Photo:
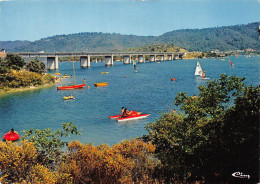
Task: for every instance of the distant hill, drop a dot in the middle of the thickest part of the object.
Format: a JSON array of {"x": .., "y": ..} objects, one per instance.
[
  {"x": 11, "y": 45},
  {"x": 82, "y": 42},
  {"x": 236, "y": 37}
]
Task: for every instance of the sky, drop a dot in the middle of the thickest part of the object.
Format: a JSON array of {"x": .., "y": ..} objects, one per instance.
[{"x": 35, "y": 19}]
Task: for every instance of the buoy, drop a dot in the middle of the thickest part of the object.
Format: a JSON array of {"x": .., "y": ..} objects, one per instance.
[
  {"x": 173, "y": 79},
  {"x": 88, "y": 86}
]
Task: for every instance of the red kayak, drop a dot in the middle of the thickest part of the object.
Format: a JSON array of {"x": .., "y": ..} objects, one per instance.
[
  {"x": 71, "y": 87},
  {"x": 121, "y": 118},
  {"x": 9, "y": 136}
]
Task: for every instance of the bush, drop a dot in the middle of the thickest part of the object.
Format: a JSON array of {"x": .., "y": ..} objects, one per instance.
[
  {"x": 14, "y": 61},
  {"x": 19, "y": 164},
  {"x": 123, "y": 163},
  {"x": 35, "y": 66},
  {"x": 48, "y": 78}
]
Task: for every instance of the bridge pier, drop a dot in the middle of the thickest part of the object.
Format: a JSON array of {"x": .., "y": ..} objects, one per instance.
[
  {"x": 52, "y": 63},
  {"x": 169, "y": 57},
  {"x": 127, "y": 59},
  {"x": 152, "y": 58},
  {"x": 161, "y": 57},
  {"x": 85, "y": 61},
  {"x": 109, "y": 60},
  {"x": 177, "y": 56},
  {"x": 141, "y": 59}
]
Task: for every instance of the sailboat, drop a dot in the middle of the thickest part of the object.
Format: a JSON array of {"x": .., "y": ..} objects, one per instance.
[
  {"x": 199, "y": 71},
  {"x": 231, "y": 64},
  {"x": 75, "y": 86}
]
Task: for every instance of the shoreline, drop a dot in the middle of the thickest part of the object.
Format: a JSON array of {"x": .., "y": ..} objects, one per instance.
[{"x": 23, "y": 89}]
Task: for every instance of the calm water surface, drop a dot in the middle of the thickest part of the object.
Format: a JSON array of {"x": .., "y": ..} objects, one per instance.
[{"x": 149, "y": 90}]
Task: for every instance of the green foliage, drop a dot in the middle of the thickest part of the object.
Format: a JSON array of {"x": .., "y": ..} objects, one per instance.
[
  {"x": 222, "y": 38},
  {"x": 48, "y": 78},
  {"x": 35, "y": 65},
  {"x": 14, "y": 61},
  {"x": 216, "y": 136},
  {"x": 12, "y": 76},
  {"x": 4, "y": 67},
  {"x": 157, "y": 48},
  {"x": 49, "y": 144},
  {"x": 20, "y": 79}
]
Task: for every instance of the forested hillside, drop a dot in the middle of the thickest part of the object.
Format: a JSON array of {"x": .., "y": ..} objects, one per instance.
[
  {"x": 236, "y": 37},
  {"x": 11, "y": 45},
  {"x": 84, "y": 42}
]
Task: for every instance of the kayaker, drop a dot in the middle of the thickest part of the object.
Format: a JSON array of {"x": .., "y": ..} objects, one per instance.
[
  {"x": 13, "y": 132},
  {"x": 125, "y": 112},
  {"x": 122, "y": 110}
]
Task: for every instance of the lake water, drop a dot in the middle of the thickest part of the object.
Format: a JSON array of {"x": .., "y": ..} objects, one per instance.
[{"x": 149, "y": 90}]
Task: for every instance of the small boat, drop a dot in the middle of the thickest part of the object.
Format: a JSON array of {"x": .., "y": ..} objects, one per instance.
[
  {"x": 68, "y": 97},
  {"x": 58, "y": 73},
  {"x": 75, "y": 86},
  {"x": 173, "y": 79},
  {"x": 231, "y": 64},
  {"x": 11, "y": 136},
  {"x": 121, "y": 118},
  {"x": 71, "y": 87},
  {"x": 101, "y": 84},
  {"x": 65, "y": 76},
  {"x": 104, "y": 73},
  {"x": 199, "y": 71}
]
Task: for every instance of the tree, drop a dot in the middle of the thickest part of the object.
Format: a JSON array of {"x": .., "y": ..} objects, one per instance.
[
  {"x": 3, "y": 66},
  {"x": 49, "y": 144},
  {"x": 35, "y": 66},
  {"x": 14, "y": 61},
  {"x": 215, "y": 136}
]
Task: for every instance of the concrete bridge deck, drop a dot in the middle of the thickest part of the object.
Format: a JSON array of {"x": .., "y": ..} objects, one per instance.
[{"x": 52, "y": 58}]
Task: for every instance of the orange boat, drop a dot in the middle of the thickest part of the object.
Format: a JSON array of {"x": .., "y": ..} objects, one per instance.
[{"x": 101, "y": 84}]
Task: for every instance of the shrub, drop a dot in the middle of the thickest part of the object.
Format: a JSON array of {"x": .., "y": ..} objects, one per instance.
[
  {"x": 48, "y": 78},
  {"x": 35, "y": 66}
]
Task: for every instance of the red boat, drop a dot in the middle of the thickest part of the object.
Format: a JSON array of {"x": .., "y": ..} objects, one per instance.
[
  {"x": 11, "y": 136},
  {"x": 121, "y": 118},
  {"x": 71, "y": 87}
]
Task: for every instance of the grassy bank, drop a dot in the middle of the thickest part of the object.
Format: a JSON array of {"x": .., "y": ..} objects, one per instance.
[{"x": 7, "y": 91}]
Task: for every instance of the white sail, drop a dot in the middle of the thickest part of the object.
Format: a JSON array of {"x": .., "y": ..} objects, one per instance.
[{"x": 198, "y": 70}]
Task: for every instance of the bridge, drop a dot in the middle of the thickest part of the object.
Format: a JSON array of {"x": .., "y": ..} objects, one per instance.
[{"x": 52, "y": 58}]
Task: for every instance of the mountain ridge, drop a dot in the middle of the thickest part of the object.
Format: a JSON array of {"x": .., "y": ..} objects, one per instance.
[{"x": 236, "y": 37}]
